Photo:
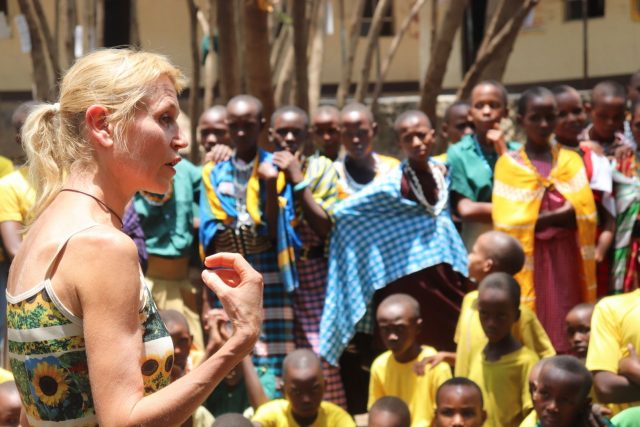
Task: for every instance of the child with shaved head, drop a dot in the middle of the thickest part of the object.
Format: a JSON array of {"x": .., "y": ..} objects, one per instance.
[
  {"x": 562, "y": 398},
  {"x": 360, "y": 165},
  {"x": 325, "y": 125},
  {"x": 495, "y": 251},
  {"x": 389, "y": 411},
  {"x": 392, "y": 372},
  {"x": 303, "y": 404},
  {"x": 502, "y": 368},
  {"x": 459, "y": 404}
]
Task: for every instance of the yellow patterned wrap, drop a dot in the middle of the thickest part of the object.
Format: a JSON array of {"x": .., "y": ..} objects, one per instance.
[{"x": 517, "y": 195}]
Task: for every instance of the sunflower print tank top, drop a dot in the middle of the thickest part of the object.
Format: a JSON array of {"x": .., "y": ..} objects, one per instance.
[{"x": 49, "y": 362}]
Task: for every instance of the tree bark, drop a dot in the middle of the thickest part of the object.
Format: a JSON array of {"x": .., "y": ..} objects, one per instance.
[
  {"x": 434, "y": 76},
  {"x": 506, "y": 36},
  {"x": 350, "y": 49},
  {"x": 372, "y": 41},
  {"x": 52, "y": 50},
  {"x": 283, "y": 81},
  {"x": 207, "y": 22},
  {"x": 496, "y": 68},
  {"x": 134, "y": 27},
  {"x": 434, "y": 24},
  {"x": 228, "y": 49},
  {"x": 99, "y": 23},
  {"x": 300, "y": 46},
  {"x": 393, "y": 48},
  {"x": 69, "y": 20},
  {"x": 38, "y": 57},
  {"x": 257, "y": 53},
  {"x": 315, "y": 57},
  {"x": 194, "y": 92}
]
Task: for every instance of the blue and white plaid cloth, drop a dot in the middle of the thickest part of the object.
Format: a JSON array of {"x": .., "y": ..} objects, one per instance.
[{"x": 379, "y": 237}]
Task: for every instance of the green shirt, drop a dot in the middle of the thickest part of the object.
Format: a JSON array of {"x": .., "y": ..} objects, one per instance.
[
  {"x": 167, "y": 220},
  {"x": 472, "y": 168},
  {"x": 627, "y": 418},
  {"x": 226, "y": 399}
]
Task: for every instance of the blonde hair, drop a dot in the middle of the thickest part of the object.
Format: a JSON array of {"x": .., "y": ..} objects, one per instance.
[{"x": 53, "y": 134}]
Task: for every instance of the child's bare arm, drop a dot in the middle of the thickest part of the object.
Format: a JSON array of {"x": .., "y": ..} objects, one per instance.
[
  {"x": 606, "y": 237},
  {"x": 255, "y": 392},
  {"x": 629, "y": 367},
  {"x": 470, "y": 211},
  {"x": 563, "y": 217},
  {"x": 613, "y": 388}
]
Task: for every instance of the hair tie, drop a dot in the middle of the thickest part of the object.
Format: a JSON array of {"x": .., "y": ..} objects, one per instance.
[{"x": 56, "y": 107}]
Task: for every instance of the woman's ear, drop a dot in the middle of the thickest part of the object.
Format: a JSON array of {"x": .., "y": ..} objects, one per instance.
[{"x": 97, "y": 125}]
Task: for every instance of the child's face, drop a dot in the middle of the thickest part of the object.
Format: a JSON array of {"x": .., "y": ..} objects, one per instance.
[
  {"x": 213, "y": 130},
  {"x": 398, "y": 328},
  {"x": 497, "y": 313},
  {"x": 487, "y": 108},
  {"x": 478, "y": 261},
  {"x": 244, "y": 124},
  {"x": 571, "y": 116},
  {"x": 357, "y": 134},
  {"x": 381, "y": 418},
  {"x": 289, "y": 132},
  {"x": 458, "y": 124},
  {"x": 539, "y": 120},
  {"x": 459, "y": 406},
  {"x": 557, "y": 400},
  {"x": 181, "y": 346},
  {"x": 416, "y": 138},
  {"x": 635, "y": 124},
  {"x": 608, "y": 116},
  {"x": 327, "y": 133},
  {"x": 578, "y": 331},
  {"x": 304, "y": 388}
]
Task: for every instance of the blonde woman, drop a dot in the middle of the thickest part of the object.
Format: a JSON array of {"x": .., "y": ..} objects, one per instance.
[{"x": 86, "y": 344}]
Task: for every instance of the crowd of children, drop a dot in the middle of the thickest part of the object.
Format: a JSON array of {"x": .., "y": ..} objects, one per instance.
[{"x": 464, "y": 289}]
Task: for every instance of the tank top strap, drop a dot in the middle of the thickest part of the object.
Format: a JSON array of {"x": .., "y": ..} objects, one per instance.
[{"x": 60, "y": 248}]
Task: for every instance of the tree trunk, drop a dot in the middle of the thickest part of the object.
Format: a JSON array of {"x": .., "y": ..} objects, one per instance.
[
  {"x": 496, "y": 68},
  {"x": 52, "y": 50},
  {"x": 300, "y": 45},
  {"x": 393, "y": 48},
  {"x": 207, "y": 22},
  {"x": 134, "y": 27},
  {"x": 283, "y": 83},
  {"x": 372, "y": 41},
  {"x": 437, "y": 68},
  {"x": 434, "y": 24},
  {"x": 350, "y": 49},
  {"x": 194, "y": 92},
  {"x": 99, "y": 23},
  {"x": 316, "y": 55},
  {"x": 69, "y": 20},
  {"x": 228, "y": 48},
  {"x": 38, "y": 58},
  {"x": 257, "y": 53},
  {"x": 505, "y": 37}
]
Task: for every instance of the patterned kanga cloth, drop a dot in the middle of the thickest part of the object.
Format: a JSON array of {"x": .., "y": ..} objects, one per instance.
[{"x": 379, "y": 237}]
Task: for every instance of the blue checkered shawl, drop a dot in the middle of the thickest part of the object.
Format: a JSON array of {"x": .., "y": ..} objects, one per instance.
[{"x": 378, "y": 237}]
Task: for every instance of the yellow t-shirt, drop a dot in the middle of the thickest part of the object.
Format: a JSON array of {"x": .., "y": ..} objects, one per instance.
[
  {"x": 615, "y": 323},
  {"x": 531, "y": 420},
  {"x": 391, "y": 378},
  {"x": 471, "y": 340},
  {"x": 277, "y": 413},
  {"x": 5, "y": 376},
  {"x": 505, "y": 386},
  {"x": 6, "y": 166},
  {"x": 16, "y": 196}
]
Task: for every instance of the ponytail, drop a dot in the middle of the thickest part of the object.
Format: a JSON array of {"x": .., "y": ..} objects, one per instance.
[{"x": 41, "y": 141}]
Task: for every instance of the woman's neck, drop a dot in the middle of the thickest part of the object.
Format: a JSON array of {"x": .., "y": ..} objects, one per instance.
[{"x": 96, "y": 185}]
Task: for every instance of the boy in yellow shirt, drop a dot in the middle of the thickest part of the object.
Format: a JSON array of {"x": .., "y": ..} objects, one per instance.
[
  {"x": 616, "y": 369},
  {"x": 392, "y": 373},
  {"x": 494, "y": 251},
  {"x": 303, "y": 404},
  {"x": 389, "y": 411},
  {"x": 460, "y": 404},
  {"x": 502, "y": 368}
]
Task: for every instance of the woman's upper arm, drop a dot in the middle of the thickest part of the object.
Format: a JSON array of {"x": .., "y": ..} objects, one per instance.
[{"x": 108, "y": 288}]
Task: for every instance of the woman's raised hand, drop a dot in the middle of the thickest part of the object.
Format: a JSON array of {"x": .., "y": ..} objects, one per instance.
[{"x": 239, "y": 288}]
